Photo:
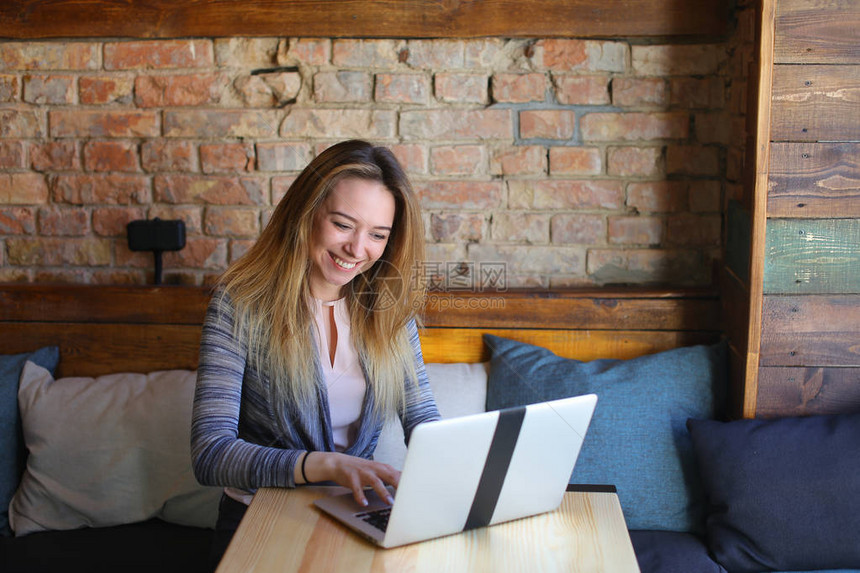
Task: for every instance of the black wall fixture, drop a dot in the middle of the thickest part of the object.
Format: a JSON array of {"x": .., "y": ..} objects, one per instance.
[{"x": 157, "y": 236}]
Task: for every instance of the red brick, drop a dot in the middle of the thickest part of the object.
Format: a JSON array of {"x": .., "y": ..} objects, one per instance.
[
  {"x": 683, "y": 267},
  {"x": 56, "y": 90},
  {"x": 705, "y": 196},
  {"x": 678, "y": 59},
  {"x": 114, "y": 123},
  {"x": 23, "y": 189},
  {"x": 547, "y": 124},
  {"x": 569, "y": 55},
  {"x": 461, "y": 88},
  {"x": 239, "y": 247},
  {"x": 112, "y": 221},
  {"x": 54, "y": 251},
  {"x": 106, "y": 189},
  {"x": 575, "y": 160},
  {"x": 719, "y": 127},
  {"x": 482, "y": 53},
  {"x": 634, "y": 126},
  {"x": 578, "y": 229},
  {"x": 519, "y": 160},
  {"x": 402, "y": 88},
  {"x": 191, "y": 215},
  {"x": 61, "y": 276},
  {"x": 635, "y": 230},
  {"x": 226, "y": 157},
  {"x": 280, "y": 186},
  {"x": 199, "y": 253},
  {"x": 50, "y": 56},
  {"x": 11, "y": 155},
  {"x": 519, "y": 227},
  {"x": 268, "y": 90},
  {"x": 9, "y": 88},
  {"x": 231, "y": 222},
  {"x": 694, "y": 230},
  {"x": 168, "y": 155},
  {"x": 179, "y": 189},
  {"x": 458, "y": 227},
  {"x": 565, "y": 194},
  {"x": 158, "y": 54},
  {"x": 118, "y": 277},
  {"x": 532, "y": 259},
  {"x": 657, "y": 196},
  {"x": 698, "y": 92},
  {"x": 283, "y": 156},
  {"x": 460, "y": 194},
  {"x": 412, "y": 157},
  {"x": 634, "y": 161},
  {"x": 183, "y": 90},
  {"x": 55, "y": 156},
  {"x": 97, "y": 90},
  {"x": 340, "y": 123},
  {"x": 342, "y": 86},
  {"x": 366, "y": 53},
  {"x": 20, "y": 124},
  {"x": 458, "y": 160},
  {"x": 111, "y": 156},
  {"x": 632, "y": 92},
  {"x": 692, "y": 160},
  {"x": 581, "y": 90},
  {"x": 218, "y": 124},
  {"x": 17, "y": 221},
  {"x": 436, "y": 54},
  {"x": 310, "y": 51},
  {"x": 63, "y": 222},
  {"x": 246, "y": 53},
  {"x": 518, "y": 88},
  {"x": 457, "y": 124}
]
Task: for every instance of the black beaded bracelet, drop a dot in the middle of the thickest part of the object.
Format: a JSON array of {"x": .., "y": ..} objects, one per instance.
[{"x": 304, "y": 459}]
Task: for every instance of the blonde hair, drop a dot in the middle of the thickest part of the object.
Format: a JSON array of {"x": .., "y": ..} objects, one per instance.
[{"x": 270, "y": 291}]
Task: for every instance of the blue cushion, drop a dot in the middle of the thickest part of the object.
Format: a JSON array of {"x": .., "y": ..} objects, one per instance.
[
  {"x": 638, "y": 438},
  {"x": 783, "y": 493},
  {"x": 11, "y": 440},
  {"x": 672, "y": 552}
]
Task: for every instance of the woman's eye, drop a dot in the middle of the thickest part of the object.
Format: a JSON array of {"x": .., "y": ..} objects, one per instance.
[
  {"x": 379, "y": 236},
  {"x": 341, "y": 226}
]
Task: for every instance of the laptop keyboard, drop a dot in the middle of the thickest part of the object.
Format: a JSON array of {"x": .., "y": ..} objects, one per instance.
[{"x": 377, "y": 518}]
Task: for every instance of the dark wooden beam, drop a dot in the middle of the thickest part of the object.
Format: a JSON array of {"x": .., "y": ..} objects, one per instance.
[{"x": 31, "y": 19}]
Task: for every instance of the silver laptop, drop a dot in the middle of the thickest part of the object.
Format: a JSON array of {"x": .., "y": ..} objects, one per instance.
[{"x": 474, "y": 471}]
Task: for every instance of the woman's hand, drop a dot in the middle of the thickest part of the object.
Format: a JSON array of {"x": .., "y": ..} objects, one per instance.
[{"x": 352, "y": 472}]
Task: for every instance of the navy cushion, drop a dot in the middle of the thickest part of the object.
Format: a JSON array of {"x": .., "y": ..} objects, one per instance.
[
  {"x": 11, "y": 439},
  {"x": 783, "y": 493},
  {"x": 638, "y": 438},
  {"x": 672, "y": 552}
]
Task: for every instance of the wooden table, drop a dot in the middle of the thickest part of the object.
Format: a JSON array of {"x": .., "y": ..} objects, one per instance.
[{"x": 282, "y": 531}]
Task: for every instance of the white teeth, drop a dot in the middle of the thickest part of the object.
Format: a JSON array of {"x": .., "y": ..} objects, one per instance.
[{"x": 342, "y": 263}]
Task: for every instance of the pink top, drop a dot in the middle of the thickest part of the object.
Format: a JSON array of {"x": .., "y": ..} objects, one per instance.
[{"x": 342, "y": 373}]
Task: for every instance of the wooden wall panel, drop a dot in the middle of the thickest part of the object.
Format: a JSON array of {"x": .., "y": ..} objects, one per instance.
[
  {"x": 813, "y": 256},
  {"x": 816, "y": 103},
  {"x": 814, "y": 180},
  {"x": 807, "y": 391},
  {"x": 817, "y": 31},
  {"x": 362, "y": 18},
  {"x": 811, "y": 330}
]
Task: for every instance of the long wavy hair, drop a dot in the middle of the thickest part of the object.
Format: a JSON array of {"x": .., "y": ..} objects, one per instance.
[{"x": 269, "y": 285}]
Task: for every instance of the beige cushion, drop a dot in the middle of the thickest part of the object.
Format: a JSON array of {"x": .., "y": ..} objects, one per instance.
[
  {"x": 108, "y": 450},
  {"x": 460, "y": 389}
]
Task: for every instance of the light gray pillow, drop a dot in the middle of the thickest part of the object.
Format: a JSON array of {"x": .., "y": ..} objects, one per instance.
[
  {"x": 106, "y": 451},
  {"x": 459, "y": 388}
]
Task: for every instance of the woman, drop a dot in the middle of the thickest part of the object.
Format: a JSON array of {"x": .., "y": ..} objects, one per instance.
[{"x": 310, "y": 340}]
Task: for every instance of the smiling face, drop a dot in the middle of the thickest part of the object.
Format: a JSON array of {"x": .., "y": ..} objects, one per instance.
[{"x": 349, "y": 234}]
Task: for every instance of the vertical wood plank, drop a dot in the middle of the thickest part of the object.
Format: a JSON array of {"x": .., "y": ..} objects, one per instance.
[
  {"x": 814, "y": 180},
  {"x": 816, "y": 103},
  {"x": 759, "y": 212},
  {"x": 812, "y": 256}
]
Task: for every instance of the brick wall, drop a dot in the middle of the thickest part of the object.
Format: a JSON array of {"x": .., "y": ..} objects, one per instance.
[{"x": 573, "y": 162}]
